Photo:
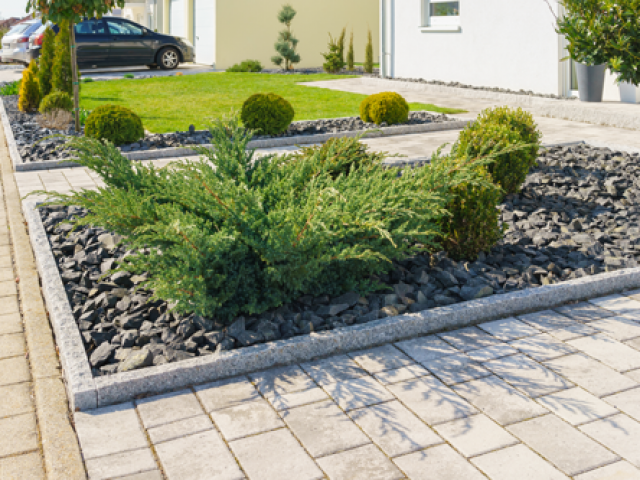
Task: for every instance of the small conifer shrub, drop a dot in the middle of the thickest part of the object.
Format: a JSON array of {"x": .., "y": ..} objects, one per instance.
[
  {"x": 45, "y": 70},
  {"x": 286, "y": 45},
  {"x": 62, "y": 78},
  {"x": 248, "y": 66},
  {"x": 232, "y": 234},
  {"x": 56, "y": 101},
  {"x": 114, "y": 123},
  {"x": 334, "y": 59},
  {"x": 368, "y": 55},
  {"x": 388, "y": 107},
  {"x": 351, "y": 55},
  {"x": 29, "y": 98},
  {"x": 267, "y": 113}
]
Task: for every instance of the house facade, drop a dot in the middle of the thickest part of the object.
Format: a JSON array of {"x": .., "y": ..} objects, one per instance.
[
  {"x": 225, "y": 32},
  {"x": 490, "y": 43}
]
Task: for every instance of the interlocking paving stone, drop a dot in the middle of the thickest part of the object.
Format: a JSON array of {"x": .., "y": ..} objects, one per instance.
[
  {"x": 620, "y": 328},
  {"x": 12, "y": 345},
  {"x": 584, "y": 312},
  {"x": 517, "y": 462},
  {"x": 246, "y": 419},
  {"x": 508, "y": 329},
  {"x": 470, "y": 338},
  {"x": 323, "y": 428},
  {"x": 635, "y": 343},
  {"x": 151, "y": 475},
  {"x": 11, "y": 323},
  {"x": 441, "y": 462},
  {"x": 542, "y": 347},
  {"x": 22, "y": 467},
  {"x": 577, "y": 406},
  {"x": 108, "y": 430},
  {"x": 590, "y": 374},
  {"x": 546, "y": 320},
  {"x": 333, "y": 369},
  {"x": 362, "y": 463},
  {"x": 609, "y": 351},
  {"x": 401, "y": 374},
  {"x": 8, "y": 288},
  {"x": 19, "y": 434},
  {"x": 167, "y": 408},
  {"x": 226, "y": 393},
  {"x": 196, "y": 457},
  {"x": 282, "y": 380},
  {"x": 627, "y": 402},
  {"x": 456, "y": 368},
  {"x": 499, "y": 400},
  {"x": 6, "y": 274},
  {"x": 180, "y": 428},
  {"x": 620, "y": 434},
  {"x": 379, "y": 359},
  {"x": 475, "y": 435},
  {"x": 14, "y": 370},
  {"x": 561, "y": 444},
  {"x": 431, "y": 400},
  {"x": 527, "y": 376},
  {"x": 491, "y": 353},
  {"x": 9, "y": 304},
  {"x": 121, "y": 464},
  {"x": 296, "y": 399},
  {"x": 394, "y": 428},
  {"x": 633, "y": 375},
  {"x": 274, "y": 456},
  {"x": 620, "y": 304},
  {"x": 357, "y": 393},
  {"x": 616, "y": 471},
  {"x": 573, "y": 331},
  {"x": 428, "y": 348},
  {"x": 15, "y": 399}
]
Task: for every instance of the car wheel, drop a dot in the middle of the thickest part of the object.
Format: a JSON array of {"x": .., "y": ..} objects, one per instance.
[
  {"x": 168, "y": 58},
  {"x": 152, "y": 67}
]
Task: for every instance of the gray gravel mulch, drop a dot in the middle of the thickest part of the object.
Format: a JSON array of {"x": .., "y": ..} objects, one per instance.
[{"x": 578, "y": 214}]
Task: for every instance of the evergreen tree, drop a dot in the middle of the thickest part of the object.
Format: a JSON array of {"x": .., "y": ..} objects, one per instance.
[
  {"x": 62, "y": 79},
  {"x": 29, "y": 94},
  {"x": 350, "y": 55},
  {"x": 46, "y": 62},
  {"x": 286, "y": 44},
  {"x": 340, "y": 43},
  {"x": 368, "y": 55}
]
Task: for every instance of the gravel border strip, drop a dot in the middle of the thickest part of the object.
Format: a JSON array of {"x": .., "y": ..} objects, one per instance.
[
  {"x": 87, "y": 392},
  {"x": 573, "y": 110},
  {"x": 60, "y": 449}
]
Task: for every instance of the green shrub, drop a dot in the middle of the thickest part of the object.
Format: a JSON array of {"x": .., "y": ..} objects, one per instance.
[
  {"x": 334, "y": 59},
  {"x": 503, "y": 128},
  {"x": 29, "y": 89},
  {"x": 87, "y": 80},
  {"x": 116, "y": 124},
  {"x": 384, "y": 107},
  {"x": 350, "y": 55},
  {"x": 368, "y": 55},
  {"x": 56, "y": 101},
  {"x": 45, "y": 71},
  {"x": 249, "y": 66},
  {"x": 267, "y": 113},
  {"x": 83, "y": 113},
  {"x": 62, "y": 78},
  {"x": 11, "y": 88},
  {"x": 128, "y": 75},
  {"x": 233, "y": 234}
]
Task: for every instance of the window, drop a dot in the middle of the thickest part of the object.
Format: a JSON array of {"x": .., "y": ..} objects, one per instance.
[
  {"x": 90, "y": 27},
  {"x": 441, "y": 13},
  {"x": 123, "y": 28}
]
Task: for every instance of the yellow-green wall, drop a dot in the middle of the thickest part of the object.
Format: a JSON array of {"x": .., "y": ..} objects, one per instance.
[{"x": 248, "y": 29}]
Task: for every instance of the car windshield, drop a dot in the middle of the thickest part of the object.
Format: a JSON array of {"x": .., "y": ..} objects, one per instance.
[{"x": 21, "y": 27}]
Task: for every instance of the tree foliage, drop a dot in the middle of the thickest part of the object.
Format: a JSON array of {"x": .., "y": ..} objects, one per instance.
[
  {"x": 334, "y": 61},
  {"x": 62, "y": 76},
  {"x": 287, "y": 43},
  {"x": 72, "y": 10},
  {"x": 29, "y": 94},
  {"x": 350, "y": 55},
  {"x": 233, "y": 233},
  {"x": 47, "y": 53},
  {"x": 368, "y": 55}
]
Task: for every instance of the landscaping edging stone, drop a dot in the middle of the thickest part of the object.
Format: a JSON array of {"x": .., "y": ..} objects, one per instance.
[
  {"x": 548, "y": 107},
  {"x": 87, "y": 392}
]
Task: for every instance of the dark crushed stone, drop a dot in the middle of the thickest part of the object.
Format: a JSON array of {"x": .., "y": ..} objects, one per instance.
[{"x": 578, "y": 215}]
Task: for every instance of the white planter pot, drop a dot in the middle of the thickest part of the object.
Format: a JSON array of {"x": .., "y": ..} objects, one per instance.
[{"x": 629, "y": 93}]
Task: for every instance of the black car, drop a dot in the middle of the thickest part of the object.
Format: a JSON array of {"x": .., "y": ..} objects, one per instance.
[{"x": 116, "y": 42}]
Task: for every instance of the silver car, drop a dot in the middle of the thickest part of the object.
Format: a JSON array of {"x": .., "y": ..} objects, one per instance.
[{"x": 15, "y": 43}]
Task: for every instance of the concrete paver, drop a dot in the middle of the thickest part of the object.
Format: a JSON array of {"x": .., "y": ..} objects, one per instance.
[
  {"x": 401, "y": 374},
  {"x": 357, "y": 393},
  {"x": 14, "y": 370},
  {"x": 120, "y": 464},
  {"x": 180, "y": 428},
  {"x": 362, "y": 463},
  {"x": 619, "y": 304},
  {"x": 456, "y": 368},
  {"x": 246, "y": 419},
  {"x": 332, "y": 370},
  {"x": 567, "y": 448},
  {"x": 573, "y": 331},
  {"x": 471, "y": 338},
  {"x": 516, "y": 462},
  {"x": 546, "y": 320},
  {"x": 21, "y": 467},
  {"x": 11, "y": 323},
  {"x": 475, "y": 435},
  {"x": 16, "y": 399},
  {"x": 627, "y": 402},
  {"x": 168, "y": 408},
  {"x": 633, "y": 375},
  {"x": 282, "y": 380},
  {"x": 380, "y": 359},
  {"x": 576, "y": 406},
  {"x": 616, "y": 471},
  {"x": 441, "y": 462},
  {"x": 296, "y": 399},
  {"x": 19, "y": 434},
  {"x": 508, "y": 329},
  {"x": 491, "y": 353},
  {"x": 542, "y": 347},
  {"x": 423, "y": 349},
  {"x": 12, "y": 345},
  {"x": 619, "y": 433},
  {"x": 226, "y": 393},
  {"x": 609, "y": 351},
  {"x": 584, "y": 312},
  {"x": 620, "y": 328}
]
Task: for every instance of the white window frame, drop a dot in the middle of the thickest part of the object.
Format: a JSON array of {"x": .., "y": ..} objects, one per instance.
[{"x": 438, "y": 24}]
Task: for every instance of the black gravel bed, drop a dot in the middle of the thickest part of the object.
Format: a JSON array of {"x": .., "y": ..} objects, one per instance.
[
  {"x": 578, "y": 214},
  {"x": 29, "y": 135}
]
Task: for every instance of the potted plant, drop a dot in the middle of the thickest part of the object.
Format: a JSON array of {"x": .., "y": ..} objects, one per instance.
[
  {"x": 624, "y": 48},
  {"x": 586, "y": 25}
]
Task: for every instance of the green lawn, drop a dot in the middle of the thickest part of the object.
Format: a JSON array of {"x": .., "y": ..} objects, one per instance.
[{"x": 168, "y": 104}]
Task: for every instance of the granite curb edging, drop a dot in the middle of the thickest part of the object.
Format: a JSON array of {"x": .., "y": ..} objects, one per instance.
[
  {"x": 572, "y": 110},
  {"x": 86, "y": 392}
]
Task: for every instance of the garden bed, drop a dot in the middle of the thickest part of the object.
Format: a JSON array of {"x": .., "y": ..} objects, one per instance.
[{"x": 578, "y": 215}]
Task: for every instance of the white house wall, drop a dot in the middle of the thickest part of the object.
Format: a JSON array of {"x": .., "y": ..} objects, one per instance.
[{"x": 502, "y": 43}]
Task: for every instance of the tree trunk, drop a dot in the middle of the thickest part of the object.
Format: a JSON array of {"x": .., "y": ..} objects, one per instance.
[{"x": 74, "y": 69}]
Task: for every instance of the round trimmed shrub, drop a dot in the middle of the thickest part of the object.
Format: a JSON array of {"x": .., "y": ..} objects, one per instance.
[
  {"x": 499, "y": 129},
  {"x": 56, "y": 101},
  {"x": 386, "y": 107},
  {"x": 267, "y": 113},
  {"x": 114, "y": 123}
]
